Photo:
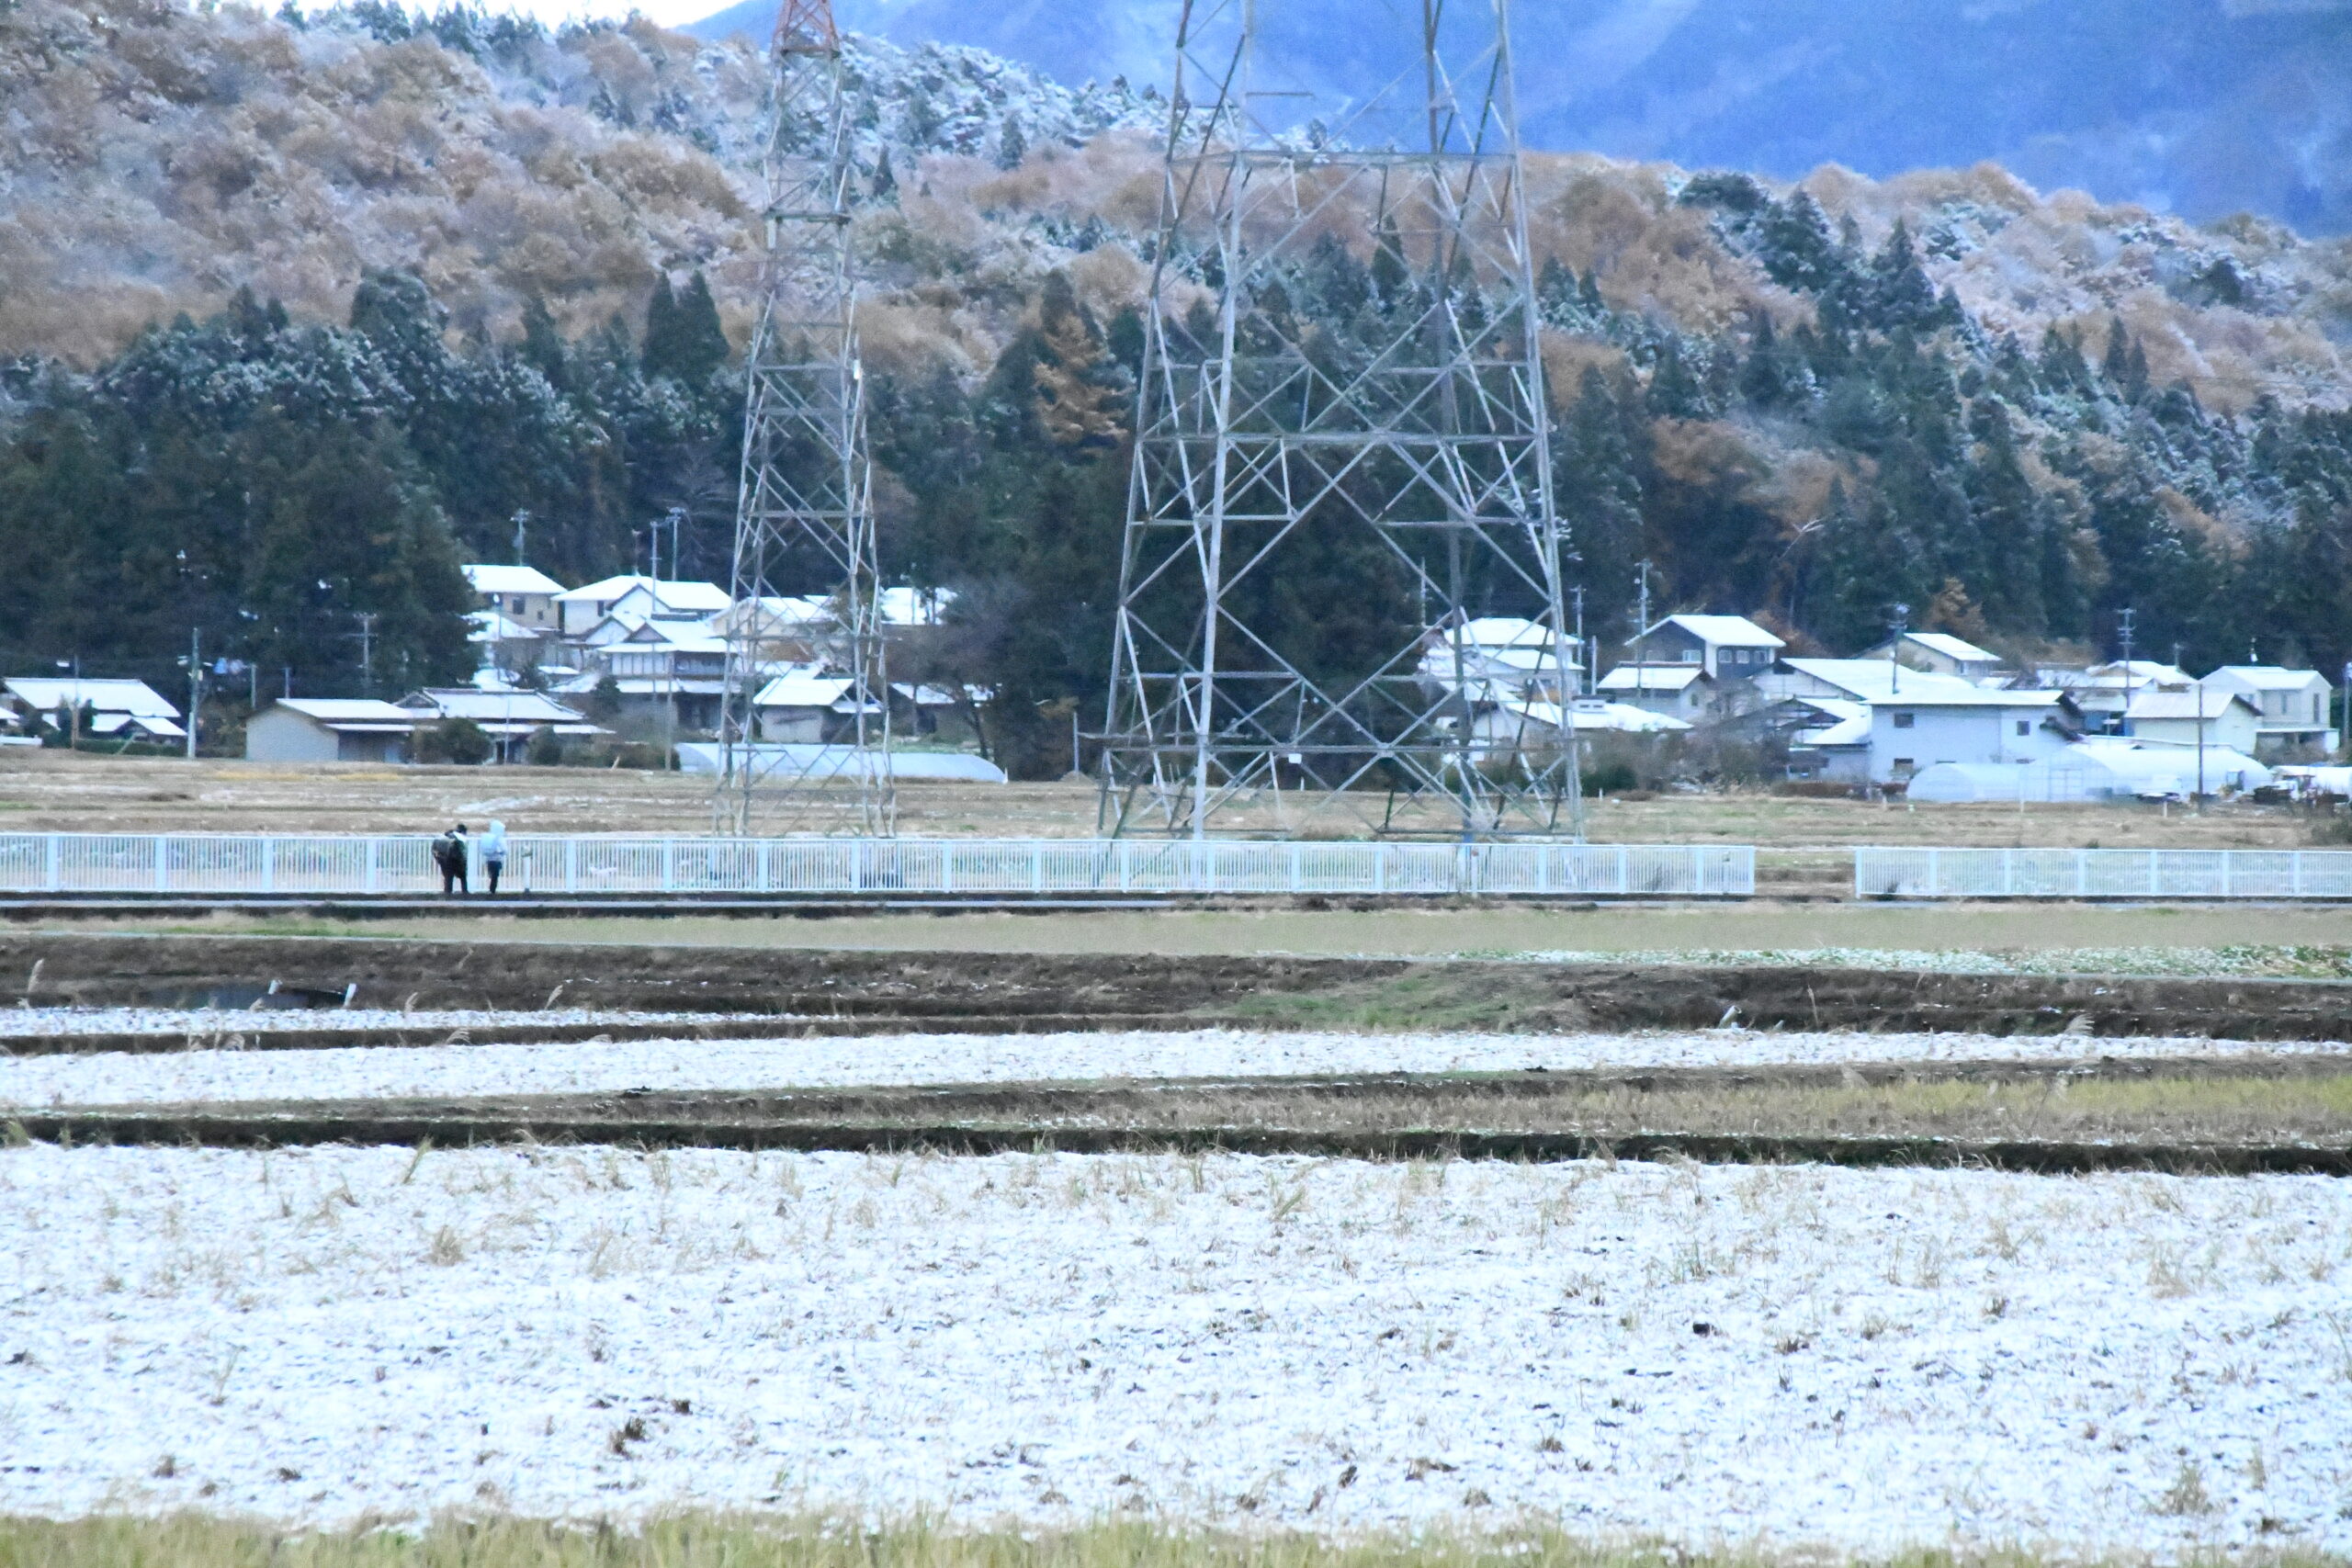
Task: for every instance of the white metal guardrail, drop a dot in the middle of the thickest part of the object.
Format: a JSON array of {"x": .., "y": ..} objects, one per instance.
[
  {"x": 2102, "y": 873},
  {"x": 228, "y": 864}
]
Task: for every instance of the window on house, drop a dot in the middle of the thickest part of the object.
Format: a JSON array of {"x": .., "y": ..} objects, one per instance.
[
  {"x": 1689, "y": 656},
  {"x": 2025, "y": 726},
  {"x": 1902, "y": 721}
]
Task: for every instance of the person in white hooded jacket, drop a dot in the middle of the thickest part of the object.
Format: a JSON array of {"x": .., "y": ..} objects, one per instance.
[{"x": 494, "y": 854}]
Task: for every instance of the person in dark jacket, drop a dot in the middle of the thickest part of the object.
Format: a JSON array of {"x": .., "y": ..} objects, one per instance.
[{"x": 450, "y": 854}]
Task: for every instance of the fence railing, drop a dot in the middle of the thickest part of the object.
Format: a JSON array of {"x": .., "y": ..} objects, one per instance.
[
  {"x": 225, "y": 863},
  {"x": 2102, "y": 873}
]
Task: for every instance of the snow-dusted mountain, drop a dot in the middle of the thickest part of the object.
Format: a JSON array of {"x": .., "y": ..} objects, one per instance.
[{"x": 2200, "y": 106}]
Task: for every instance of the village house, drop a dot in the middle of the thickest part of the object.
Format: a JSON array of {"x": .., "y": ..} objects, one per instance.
[
  {"x": 2103, "y": 691},
  {"x": 1496, "y": 657},
  {"x": 672, "y": 669},
  {"x": 1727, "y": 648},
  {"x": 508, "y": 718},
  {"x": 523, "y": 594},
  {"x": 1939, "y": 653},
  {"x": 1954, "y": 722},
  {"x": 2202, "y": 713},
  {"x": 1685, "y": 693},
  {"x": 106, "y": 710},
  {"x": 648, "y": 598},
  {"x": 809, "y": 706},
  {"x": 330, "y": 729},
  {"x": 2292, "y": 706}
]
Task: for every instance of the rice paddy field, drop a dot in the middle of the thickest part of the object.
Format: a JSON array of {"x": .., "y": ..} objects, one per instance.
[{"x": 479, "y": 1285}]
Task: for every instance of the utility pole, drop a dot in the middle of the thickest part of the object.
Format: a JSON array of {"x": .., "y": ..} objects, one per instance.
[
  {"x": 2201, "y": 743},
  {"x": 195, "y": 685},
  {"x": 1900, "y": 624},
  {"x": 74, "y": 707},
  {"x": 2344, "y": 711},
  {"x": 522, "y": 520},
  {"x": 1642, "y": 630},
  {"x": 2126, "y": 633},
  {"x": 1585, "y": 675},
  {"x": 367, "y": 635}
]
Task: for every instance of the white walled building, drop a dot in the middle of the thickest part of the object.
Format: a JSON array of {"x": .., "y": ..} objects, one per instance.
[
  {"x": 2292, "y": 706},
  {"x": 1916, "y": 729},
  {"x": 2179, "y": 719},
  {"x": 651, "y": 598},
  {"x": 524, "y": 595},
  {"x": 1939, "y": 653},
  {"x": 1727, "y": 648},
  {"x": 107, "y": 709},
  {"x": 330, "y": 729}
]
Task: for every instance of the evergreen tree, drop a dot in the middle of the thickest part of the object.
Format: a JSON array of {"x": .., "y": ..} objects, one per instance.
[
  {"x": 661, "y": 328},
  {"x": 1599, "y": 492},
  {"x": 1900, "y": 294},
  {"x": 1794, "y": 246},
  {"x": 1673, "y": 391},
  {"x": 543, "y": 348},
  {"x": 1012, "y": 147},
  {"x": 682, "y": 338},
  {"x": 885, "y": 186}
]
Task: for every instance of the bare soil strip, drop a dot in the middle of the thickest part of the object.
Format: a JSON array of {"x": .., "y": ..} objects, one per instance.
[
  {"x": 1005, "y": 991},
  {"x": 2221, "y": 1115}
]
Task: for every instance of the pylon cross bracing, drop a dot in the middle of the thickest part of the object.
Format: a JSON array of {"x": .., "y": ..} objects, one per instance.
[
  {"x": 1327, "y": 503},
  {"x": 804, "y": 528}
]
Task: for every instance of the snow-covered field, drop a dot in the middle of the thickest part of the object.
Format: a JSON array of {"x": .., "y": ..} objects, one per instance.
[
  {"x": 1862, "y": 1358},
  {"x": 118, "y": 1078},
  {"x": 214, "y": 1024}
]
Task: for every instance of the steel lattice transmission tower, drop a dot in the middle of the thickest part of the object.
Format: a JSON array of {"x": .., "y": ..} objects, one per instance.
[
  {"x": 804, "y": 519},
  {"x": 1342, "y": 451}
]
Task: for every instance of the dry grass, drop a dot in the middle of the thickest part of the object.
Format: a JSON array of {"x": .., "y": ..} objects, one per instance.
[
  {"x": 49, "y": 791},
  {"x": 2221, "y": 1112},
  {"x": 2249, "y": 1106},
  {"x": 690, "y": 1541}
]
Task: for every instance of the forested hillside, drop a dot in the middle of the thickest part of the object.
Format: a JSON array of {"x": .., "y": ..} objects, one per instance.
[
  {"x": 2204, "y": 108},
  {"x": 303, "y": 311}
]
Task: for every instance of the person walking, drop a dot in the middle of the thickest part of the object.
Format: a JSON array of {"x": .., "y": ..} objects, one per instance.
[
  {"x": 450, "y": 852},
  {"x": 494, "y": 854}
]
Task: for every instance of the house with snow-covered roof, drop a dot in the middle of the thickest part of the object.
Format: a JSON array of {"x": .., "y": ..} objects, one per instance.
[
  {"x": 1683, "y": 691},
  {"x": 524, "y": 595},
  {"x": 805, "y": 705},
  {"x": 1939, "y": 653},
  {"x": 1498, "y": 657},
  {"x": 1727, "y": 648},
  {"x": 122, "y": 710},
  {"x": 648, "y": 597},
  {"x": 2293, "y": 706}
]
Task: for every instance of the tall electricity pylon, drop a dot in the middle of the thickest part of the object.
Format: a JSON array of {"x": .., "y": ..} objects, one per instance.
[
  {"x": 804, "y": 522},
  {"x": 1323, "y": 499}
]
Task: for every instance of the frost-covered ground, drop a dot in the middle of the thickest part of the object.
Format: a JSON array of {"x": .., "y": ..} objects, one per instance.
[
  {"x": 2264, "y": 961},
  {"x": 214, "y": 1023},
  {"x": 121, "y": 1078},
  {"x": 1795, "y": 1354}
]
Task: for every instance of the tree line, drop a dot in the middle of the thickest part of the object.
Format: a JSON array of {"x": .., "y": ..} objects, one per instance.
[{"x": 301, "y": 494}]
